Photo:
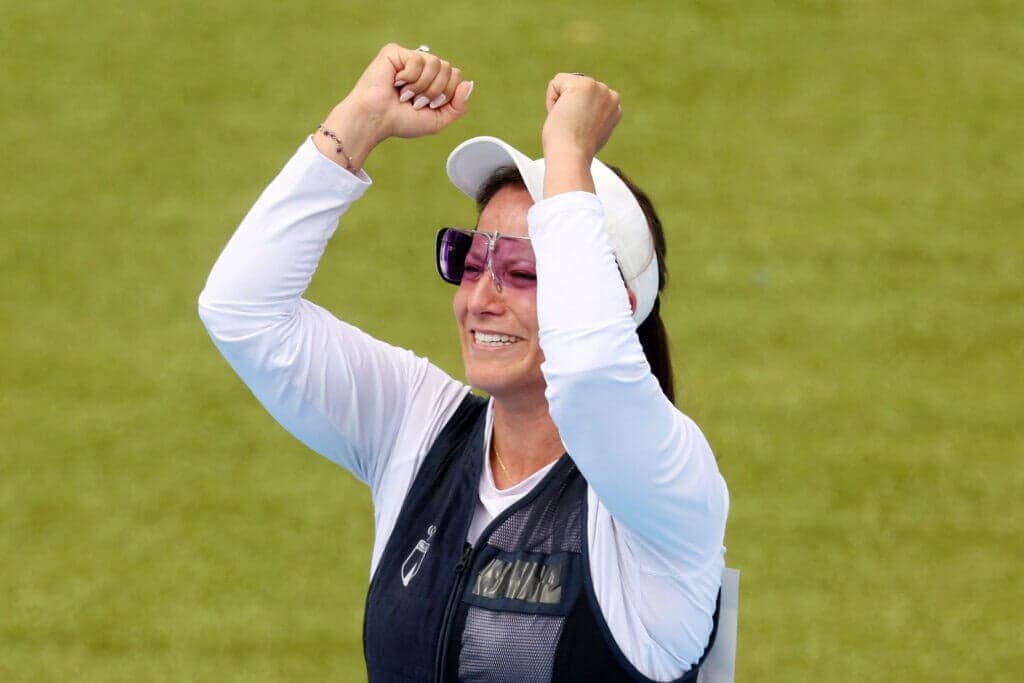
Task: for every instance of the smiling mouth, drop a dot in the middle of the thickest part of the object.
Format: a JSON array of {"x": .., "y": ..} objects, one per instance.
[{"x": 493, "y": 339}]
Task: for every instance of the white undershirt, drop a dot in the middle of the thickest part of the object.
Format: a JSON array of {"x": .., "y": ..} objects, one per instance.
[
  {"x": 657, "y": 504},
  {"x": 492, "y": 501}
]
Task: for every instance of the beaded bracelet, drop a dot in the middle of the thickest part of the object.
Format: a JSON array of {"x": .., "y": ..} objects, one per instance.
[{"x": 339, "y": 149}]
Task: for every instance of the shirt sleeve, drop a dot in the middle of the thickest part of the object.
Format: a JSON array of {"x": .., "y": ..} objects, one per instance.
[
  {"x": 649, "y": 464},
  {"x": 358, "y": 401}
]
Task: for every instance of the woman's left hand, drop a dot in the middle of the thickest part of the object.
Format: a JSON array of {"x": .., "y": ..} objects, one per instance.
[{"x": 582, "y": 113}]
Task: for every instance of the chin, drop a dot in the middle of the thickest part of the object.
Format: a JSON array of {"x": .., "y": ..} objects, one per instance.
[
  {"x": 503, "y": 385},
  {"x": 484, "y": 383}
]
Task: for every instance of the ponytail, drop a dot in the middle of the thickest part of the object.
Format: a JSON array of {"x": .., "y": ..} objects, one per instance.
[{"x": 654, "y": 340}]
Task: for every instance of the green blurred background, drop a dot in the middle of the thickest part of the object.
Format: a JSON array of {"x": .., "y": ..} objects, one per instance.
[{"x": 843, "y": 187}]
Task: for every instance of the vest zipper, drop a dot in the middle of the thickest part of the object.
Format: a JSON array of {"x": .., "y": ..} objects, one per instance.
[{"x": 441, "y": 658}]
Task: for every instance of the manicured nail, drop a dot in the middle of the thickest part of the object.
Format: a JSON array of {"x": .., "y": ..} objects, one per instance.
[
  {"x": 399, "y": 83},
  {"x": 438, "y": 101},
  {"x": 470, "y": 91},
  {"x": 421, "y": 102},
  {"x": 406, "y": 96}
]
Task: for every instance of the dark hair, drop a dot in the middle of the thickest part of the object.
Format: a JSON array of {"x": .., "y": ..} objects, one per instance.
[{"x": 652, "y": 333}]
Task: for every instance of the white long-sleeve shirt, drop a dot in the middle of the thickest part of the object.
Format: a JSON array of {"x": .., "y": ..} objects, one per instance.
[{"x": 657, "y": 504}]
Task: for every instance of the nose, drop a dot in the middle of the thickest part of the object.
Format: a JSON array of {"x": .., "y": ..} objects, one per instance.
[{"x": 485, "y": 294}]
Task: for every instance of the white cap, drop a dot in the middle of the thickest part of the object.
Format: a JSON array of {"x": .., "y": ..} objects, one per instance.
[{"x": 473, "y": 162}]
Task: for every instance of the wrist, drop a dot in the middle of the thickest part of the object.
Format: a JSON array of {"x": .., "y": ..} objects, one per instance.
[
  {"x": 567, "y": 169},
  {"x": 355, "y": 130},
  {"x": 569, "y": 151}
]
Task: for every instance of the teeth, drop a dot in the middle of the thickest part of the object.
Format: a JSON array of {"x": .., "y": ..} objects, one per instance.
[{"x": 499, "y": 339}]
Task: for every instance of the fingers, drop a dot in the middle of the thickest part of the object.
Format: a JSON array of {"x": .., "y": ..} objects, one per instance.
[
  {"x": 551, "y": 96},
  {"x": 582, "y": 113},
  {"x": 420, "y": 72},
  {"x": 423, "y": 93},
  {"x": 460, "y": 98},
  {"x": 561, "y": 82},
  {"x": 434, "y": 93},
  {"x": 444, "y": 116},
  {"x": 448, "y": 92},
  {"x": 404, "y": 93},
  {"x": 570, "y": 82},
  {"x": 426, "y": 80}
]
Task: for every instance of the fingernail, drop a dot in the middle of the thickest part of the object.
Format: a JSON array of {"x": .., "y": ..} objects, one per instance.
[
  {"x": 420, "y": 102},
  {"x": 406, "y": 96},
  {"x": 399, "y": 83},
  {"x": 438, "y": 101},
  {"x": 470, "y": 91}
]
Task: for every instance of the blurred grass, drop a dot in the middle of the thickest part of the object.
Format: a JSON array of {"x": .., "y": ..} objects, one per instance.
[{"x": 842, "y": 185}]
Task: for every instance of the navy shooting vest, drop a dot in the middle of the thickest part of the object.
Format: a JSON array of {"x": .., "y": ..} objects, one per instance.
[{"x": 517, "y": 606}]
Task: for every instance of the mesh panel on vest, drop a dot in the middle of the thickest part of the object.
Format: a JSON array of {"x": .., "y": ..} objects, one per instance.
[
  {"x": 534, "y": 528},
  {"x": 513, "y": 646},
  {"x": 508, "y": 647}
]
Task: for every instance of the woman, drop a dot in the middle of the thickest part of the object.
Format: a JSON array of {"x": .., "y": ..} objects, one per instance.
[{"x": 495, "y": 558}]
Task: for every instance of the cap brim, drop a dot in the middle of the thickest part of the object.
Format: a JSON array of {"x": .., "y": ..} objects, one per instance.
[{"x": 473, "y": 162}]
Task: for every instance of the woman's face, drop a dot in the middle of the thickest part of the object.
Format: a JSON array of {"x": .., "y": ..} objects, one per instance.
[{"x": 498, "y": 329}]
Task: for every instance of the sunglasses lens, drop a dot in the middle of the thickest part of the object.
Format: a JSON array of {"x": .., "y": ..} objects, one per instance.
[
  {"x": 452, "y": 247},
  {"x": 514, "y": 263}
]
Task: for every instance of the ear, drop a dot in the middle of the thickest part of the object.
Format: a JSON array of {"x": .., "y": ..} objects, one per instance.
[{"x": 632, "y": 300}]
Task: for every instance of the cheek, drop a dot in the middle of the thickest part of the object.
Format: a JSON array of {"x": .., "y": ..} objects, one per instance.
[
  {"x": 459, "y": 304},
  {"x": 527, "y": 311}
]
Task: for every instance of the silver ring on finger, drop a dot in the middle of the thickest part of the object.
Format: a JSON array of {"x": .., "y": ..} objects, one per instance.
[
  {"x": 576, "y": 73},
  {"x": 423, "y": 48}
]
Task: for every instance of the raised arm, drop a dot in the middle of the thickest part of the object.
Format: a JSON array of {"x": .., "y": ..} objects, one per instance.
[
  {"x": 649, "y": 464},
  {"x": 341, "y": 392}
]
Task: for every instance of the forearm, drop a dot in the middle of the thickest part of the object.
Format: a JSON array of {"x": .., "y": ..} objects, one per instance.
[
  {"x": 260, "y": 277},
  {"x": 649, "y": 464}
]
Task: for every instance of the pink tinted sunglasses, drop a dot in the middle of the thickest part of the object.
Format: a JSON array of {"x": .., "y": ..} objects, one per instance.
[{"x": 466, "y": 254}]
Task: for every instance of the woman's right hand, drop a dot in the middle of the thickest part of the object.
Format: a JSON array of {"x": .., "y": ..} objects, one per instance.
[{"x": 403, "y": 93}]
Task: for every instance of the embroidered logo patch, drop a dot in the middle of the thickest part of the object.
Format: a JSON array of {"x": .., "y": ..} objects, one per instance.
[{"x": 415, "y": 559}]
